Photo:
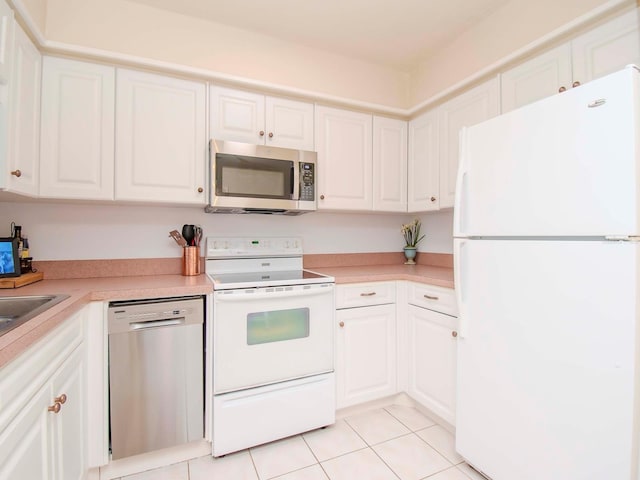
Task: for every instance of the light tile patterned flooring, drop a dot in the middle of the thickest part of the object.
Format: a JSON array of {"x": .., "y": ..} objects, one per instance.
[{"x": 396, "y": 442}]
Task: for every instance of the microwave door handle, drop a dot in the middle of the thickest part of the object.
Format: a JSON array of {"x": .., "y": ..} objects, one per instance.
[{"x": 295, "y": 180}]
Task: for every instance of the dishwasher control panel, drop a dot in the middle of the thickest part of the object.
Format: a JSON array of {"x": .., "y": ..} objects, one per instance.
[{"x": 124, "y": 316}]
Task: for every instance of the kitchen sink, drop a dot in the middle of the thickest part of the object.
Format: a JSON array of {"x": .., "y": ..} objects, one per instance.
[{"x": 14, "y": 311}]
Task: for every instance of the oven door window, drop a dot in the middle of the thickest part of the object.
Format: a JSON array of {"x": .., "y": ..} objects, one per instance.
[
  {"x": 277, "y": 326},
  {"x": 240, "y": 176}
]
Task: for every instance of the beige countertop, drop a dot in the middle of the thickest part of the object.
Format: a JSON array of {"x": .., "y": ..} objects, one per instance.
[
  {"x": 84, "y": 290},
  {"x": 441, "y": 276}
]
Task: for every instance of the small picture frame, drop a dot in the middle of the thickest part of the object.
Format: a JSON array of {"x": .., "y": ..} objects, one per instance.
[{"x": 9, "y": 261}]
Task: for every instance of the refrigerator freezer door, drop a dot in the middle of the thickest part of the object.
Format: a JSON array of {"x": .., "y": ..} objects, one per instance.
[
  {"x": 546, "y": 358},
  {"x": 563, "y": 166}
]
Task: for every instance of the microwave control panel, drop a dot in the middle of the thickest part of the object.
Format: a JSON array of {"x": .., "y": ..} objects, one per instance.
[{"x": 307, "y": 182}]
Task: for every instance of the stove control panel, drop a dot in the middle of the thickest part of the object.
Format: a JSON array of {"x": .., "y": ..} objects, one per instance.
[{"x": 225, "y": 247}]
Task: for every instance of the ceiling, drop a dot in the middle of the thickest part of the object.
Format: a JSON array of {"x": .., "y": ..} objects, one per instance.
[{"x": 394, "y": 33}]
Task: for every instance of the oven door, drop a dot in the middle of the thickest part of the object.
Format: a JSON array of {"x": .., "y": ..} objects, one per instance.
[{"x": 268, "y": 335}]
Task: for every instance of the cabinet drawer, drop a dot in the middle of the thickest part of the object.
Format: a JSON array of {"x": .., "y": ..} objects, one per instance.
[
  {"x": 439, "y": 299},
  {"x": 364, "y": 294}
]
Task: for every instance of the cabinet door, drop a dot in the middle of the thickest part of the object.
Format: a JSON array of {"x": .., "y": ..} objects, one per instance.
[
  {"x": 537, "y": 78},
  {"x": 236, "y": 115},
  {"x": 389, "y": 165},
  {"x": 68, "y": 439},
  {"x": 432, "y": 361},
  {"x": 423, "y": 180},
  {"x": 77, "y": 139},
  {"x": 607, "y": 48},
  {"x": 344, "y": 148},
  {"x": 6, "y": 41},
  {"x": 473, "y": 106},
  {"x": 24, "y": 444},
  {"x": 161, "y": 149},
  {"x": 24, "y": 116},
  {"x": 366, "y": 354},
  {"x": 289, "y": 124}
]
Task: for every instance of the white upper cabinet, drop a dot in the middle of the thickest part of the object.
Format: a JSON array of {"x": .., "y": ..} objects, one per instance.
[
  {"x": 389, "y": 165},
  {"x": 6, "y": 41},
  {"x": 344, "y": 145},
  {"x": 607, "y": 48},
  {"x": 161, "y": 145},
  {"x": 423, "y": 180},
  {"x": 289, "y": 124},
  {"x": 598, "y": 52},
  {"x": 240, "y": 116},
  {"x": 473, "y": 106},
  {"x": 236, "y": 115},
  {"x": 22, "y": 173},
  {"x": 538, "y": 78},
  {"x": 77, "y": 134}
]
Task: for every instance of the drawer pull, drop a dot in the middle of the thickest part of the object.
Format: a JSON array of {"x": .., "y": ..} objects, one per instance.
[
  {"x": 55, "y": 408},
  {"x": 341, "y": 324},
  {"x": 370, "y": 294},
  {"x": 429, "y": 297},
  {"x": 61, "y": 399},
  {"x": 454, "y": 334}
]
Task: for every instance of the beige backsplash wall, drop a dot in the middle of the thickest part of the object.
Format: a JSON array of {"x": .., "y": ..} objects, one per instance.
[{"x": 84, "y": 232}]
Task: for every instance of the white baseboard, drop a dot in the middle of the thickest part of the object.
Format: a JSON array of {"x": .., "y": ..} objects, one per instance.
[{"x": 156, "y": 459}]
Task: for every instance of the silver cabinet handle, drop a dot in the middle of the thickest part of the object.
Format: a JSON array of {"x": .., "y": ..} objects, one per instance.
[
  {"x": 429, "y": 297},
  {"x": 156, "y": 323},
  {"x": 370, "y": 294}
]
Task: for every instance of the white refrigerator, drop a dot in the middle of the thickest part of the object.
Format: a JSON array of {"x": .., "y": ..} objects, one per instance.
[{"x": 547, "y": 265}]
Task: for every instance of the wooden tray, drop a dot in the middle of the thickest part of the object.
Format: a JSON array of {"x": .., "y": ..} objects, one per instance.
[{"x": 22, "y": 280}]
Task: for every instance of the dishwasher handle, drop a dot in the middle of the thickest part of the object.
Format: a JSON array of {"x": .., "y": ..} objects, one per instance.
[{"x": 156, "y": 323}]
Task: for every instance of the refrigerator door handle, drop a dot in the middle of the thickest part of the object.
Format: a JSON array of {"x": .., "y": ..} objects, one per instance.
[
  {"x": 460, "y": 206},
  {"x": 460, "y": 266}
]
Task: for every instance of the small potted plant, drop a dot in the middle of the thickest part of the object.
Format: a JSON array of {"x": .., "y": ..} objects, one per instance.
[{"x": 411, "y": 233}]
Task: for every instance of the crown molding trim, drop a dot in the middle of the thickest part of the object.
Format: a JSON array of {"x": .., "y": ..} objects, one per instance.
[{"x": 61, "y": 48}]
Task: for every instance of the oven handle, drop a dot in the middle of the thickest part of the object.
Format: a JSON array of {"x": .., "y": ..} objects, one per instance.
[{"x": 238, "y": 296}]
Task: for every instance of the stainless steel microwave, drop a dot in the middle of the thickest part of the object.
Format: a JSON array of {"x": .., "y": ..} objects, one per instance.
[{"x": 248, "y": 178}]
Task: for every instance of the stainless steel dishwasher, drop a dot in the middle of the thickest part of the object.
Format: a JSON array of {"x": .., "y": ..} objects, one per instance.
[{"x": 155, "y": 373}]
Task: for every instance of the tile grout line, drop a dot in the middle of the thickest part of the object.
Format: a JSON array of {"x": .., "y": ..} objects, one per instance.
[{"x": 255, "y": 468}]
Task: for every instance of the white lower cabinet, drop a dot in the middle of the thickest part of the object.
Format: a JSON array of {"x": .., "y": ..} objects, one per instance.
[
  {"x": 366, "y": 349},
  {"x": 43, "y": 422},
  {"x": 432, "y": 337},
  {"x": 366, "y": 366},
  {"x": 68, "y": 425},
  {"x": 24, "y": 445}
]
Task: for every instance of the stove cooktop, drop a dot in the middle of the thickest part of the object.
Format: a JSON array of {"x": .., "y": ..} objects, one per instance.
[{"x": 225, "y": 281}]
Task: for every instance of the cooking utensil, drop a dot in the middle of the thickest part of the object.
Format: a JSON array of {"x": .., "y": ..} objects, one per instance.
[
  {"x": 178, "y": 238},
  {"x": 197, "y": 235},
  {"x": 188, "y": 232}
]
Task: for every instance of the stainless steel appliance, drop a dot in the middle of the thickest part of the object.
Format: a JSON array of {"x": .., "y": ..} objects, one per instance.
[
  {"x": 155, "y": 373},
  {"x": 249, "y": 178},
  {"x": 273, "y": 341}
]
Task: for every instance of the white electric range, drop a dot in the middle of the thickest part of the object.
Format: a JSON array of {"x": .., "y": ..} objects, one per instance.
[{"x": 273, "y": 342}]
